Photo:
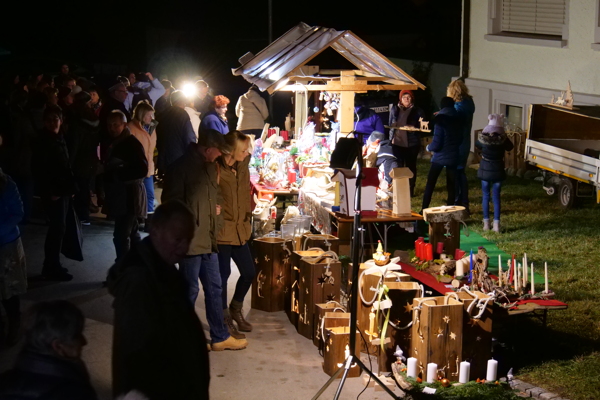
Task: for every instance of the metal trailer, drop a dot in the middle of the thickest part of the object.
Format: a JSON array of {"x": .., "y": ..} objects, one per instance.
[{"x": 565, "y": 145}]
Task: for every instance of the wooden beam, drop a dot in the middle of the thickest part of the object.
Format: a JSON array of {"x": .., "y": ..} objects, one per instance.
[{"x": 337, "y": 87}]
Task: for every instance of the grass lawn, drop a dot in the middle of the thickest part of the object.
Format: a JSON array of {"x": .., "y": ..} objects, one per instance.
[{"x": 564, "y": 357}]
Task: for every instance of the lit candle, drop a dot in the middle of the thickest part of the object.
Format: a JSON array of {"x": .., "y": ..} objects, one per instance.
[
  {"x": 518, "y": 278},
  {"x": 460, "y": 268},
  {"x": 411, "y": 367},
  {"x": 492, "y": 369},
  {"x": 499, "y": 270},
  {"x": 545, "y": 277},
  {"x": 525, "y": 267},
  {"x": 465, "y": 372},
  {"x": 432, "y": 372},
  {"x": 532, "y": 284},
  {"x": 471, "y": 267}
]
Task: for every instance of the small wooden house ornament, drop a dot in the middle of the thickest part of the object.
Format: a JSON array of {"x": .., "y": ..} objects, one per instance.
[{"x": 347, "y": 188}]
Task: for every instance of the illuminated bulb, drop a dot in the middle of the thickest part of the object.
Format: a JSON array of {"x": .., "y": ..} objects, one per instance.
[{"x": 189, "y": 90}]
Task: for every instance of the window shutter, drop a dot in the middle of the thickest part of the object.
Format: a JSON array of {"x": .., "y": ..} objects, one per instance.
[{"x": 540, "y": 17}]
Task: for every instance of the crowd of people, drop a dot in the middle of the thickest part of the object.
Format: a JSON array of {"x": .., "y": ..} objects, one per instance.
[{"x": 82, "y": 150}]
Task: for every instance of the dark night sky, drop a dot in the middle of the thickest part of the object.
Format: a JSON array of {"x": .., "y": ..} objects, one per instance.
[{"x": 209, "y": 37}]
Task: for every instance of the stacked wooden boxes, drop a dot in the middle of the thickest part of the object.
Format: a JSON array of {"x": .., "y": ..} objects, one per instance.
[
  {"x": 319, "y": 282},
  {"x": 271, "y": 259},
  {"x": 337, "y": 350},
  {"x": 436, "y": 334},
  {"x": 291, "y": 296},
  {"x": 324, "y": 242},
  {"x": 328, "y": 315},
  {"x": 514, "y": 160}
]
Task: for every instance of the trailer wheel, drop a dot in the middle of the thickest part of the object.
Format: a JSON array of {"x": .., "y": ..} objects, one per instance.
[{"x": 566, "y": 193}]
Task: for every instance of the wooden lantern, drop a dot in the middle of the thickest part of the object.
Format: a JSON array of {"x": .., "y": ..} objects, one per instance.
[
  {"x": 291, "y": 296},
  {"x": 444, "y": 226},
  {"x": 436, "y": 334},
  {"x": 334, "y": 312},
  {"x": 336, "y": 351},
  {"x": 325, "y": 242},
  {"x": 271, "y": 258}
]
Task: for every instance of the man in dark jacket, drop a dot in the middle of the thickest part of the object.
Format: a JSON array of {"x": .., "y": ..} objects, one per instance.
[
  {"x": 124, "y": 171},
  {"x": 56, "y": 186},
  {"x": 174, "y": 132},
  {"x": 50, "y": 365},
  {"x": 406, "y": 144},
  {"x": 159, "y": 347},
  {"x": 447, "y": 137}
]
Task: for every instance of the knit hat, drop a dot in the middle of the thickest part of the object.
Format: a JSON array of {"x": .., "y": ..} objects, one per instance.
[
  {"x": 496, "y": 124},
  {"x": 409, "y": 92}
]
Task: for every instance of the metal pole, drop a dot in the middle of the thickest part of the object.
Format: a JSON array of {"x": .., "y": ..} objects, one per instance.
[{"x": 271, "y": 41}]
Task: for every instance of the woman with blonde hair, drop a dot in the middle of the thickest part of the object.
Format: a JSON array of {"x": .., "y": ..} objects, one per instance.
[
  {"x": 233, "y": 238},
  {"x": 142, "y": 126},
  {"x": 465, "y": 107}
]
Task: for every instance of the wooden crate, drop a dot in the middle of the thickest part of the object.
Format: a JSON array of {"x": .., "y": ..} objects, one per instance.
[
  {"x": 515, "y": 159},
  {"x": 436, "y": 334},
  {"x": 311, "y": 240},
  {"x": 337, "y": 342},
  {"x": 401, "y": 294},
  {"x": 272, "y": 273},
  {"x": 369, "y": 282},
  {"x": 292, "y": 294},
  {"x": 477, "y": 336},
  {"x": 323, "y": 309},
  {"x": 319, "y": 282}
]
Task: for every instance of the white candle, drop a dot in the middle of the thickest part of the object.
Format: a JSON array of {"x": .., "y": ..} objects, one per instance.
[
  {"x": 465, "y": 372},
  {"x": 460, "y": 268},
  {"x": 518, "y": 277},
  {"x": 431, "y": 372},
  {"x": 546, "y": 277},
  {"x": 499, "y": 270},
  {"x": 492, "y": 369},
  {"x": 532, "y": 285},
  {"x": 411, "y": 367},
  {"x": 525, "y": 266}
]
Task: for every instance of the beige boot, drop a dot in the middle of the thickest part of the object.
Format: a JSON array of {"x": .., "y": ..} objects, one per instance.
[
  {"x": 230, "y": 343},
  {"x": 486, "y": 224},
  {"x": 496, "y": 227}
]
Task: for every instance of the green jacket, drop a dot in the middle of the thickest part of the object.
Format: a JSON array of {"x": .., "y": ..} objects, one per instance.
[
  {"x": 193, "y": 181},
  {"x": 236, "y": 207}
]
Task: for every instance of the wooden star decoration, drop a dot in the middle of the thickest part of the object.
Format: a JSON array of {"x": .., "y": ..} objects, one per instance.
[
  {"x": 256, "y": 260},
  {"x": 446, "y": 319},
  {"x": 452, "y": 335},
  {"x": 330, "y": 297},
  {"x": 478, "y": 338},
  {"x": 267, "y": 259},
  {"x": 286, "y": 289},
  {"x": 321, "y": 280},
  {"x": 279, "y": 278},
  {"x": 306, "y": 290},
  {"x": 473, "y": 322},
  {"x": 408, "y": 307},
  {"x": 440, "y": 332}
]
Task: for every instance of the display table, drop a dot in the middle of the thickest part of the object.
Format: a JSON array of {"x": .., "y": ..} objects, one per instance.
[{"x": 262, "y": 191}]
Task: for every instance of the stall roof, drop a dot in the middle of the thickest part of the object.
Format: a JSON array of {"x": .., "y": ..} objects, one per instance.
[{"x": 273, "y": 67}]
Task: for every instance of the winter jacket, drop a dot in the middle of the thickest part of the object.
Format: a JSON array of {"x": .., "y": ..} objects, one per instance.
[
  {"x": 194, "y": 119},
  {"x": 45, "y": 377},
  {"x": 385, "y": 151},
  {"x": 446, "y": 138},
  {"x": 110, "y": 104},
  {"x": 124, "y": 170},
  {"x": 212, "y": 121},
  {"x": 82, "y": 141},
  {"x": 193, "y": 181},
  {"x": 493, "y": 146},
  {"x": 162, "y": 104},
  {"x": 413, "y": 137},
  {"x": 367, "y": 121},
  {"x": 173, "y": 136},
  {"x": 465, "y": 109},
  {"x": 153, "y": 90},
  {"x": 147, "y": 139},
  {"x": 52, "y": 168},
  {"x": 236, "y": 207},
  {"x": 159, "y": 347},
  {"x": 251, "y": 109},
  {"x": 11, "y": 212}
]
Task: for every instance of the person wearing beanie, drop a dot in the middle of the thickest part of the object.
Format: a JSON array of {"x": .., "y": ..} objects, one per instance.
[
  {"x": 406, "y": 144},
  {"x": 493, "y": 143},
  {"x": 216, "y": 118},
  {"x": 444, "y": 146}
]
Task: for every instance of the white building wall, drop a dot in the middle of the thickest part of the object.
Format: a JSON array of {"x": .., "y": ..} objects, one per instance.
[{"x": 524, "y": 74}]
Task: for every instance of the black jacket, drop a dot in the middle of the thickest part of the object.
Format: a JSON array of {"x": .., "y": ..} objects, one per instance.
[
  {"x": 82, "y": 139},
  {"x": 52, "y": 168},
  {"x": 124, "y": 170},
  {"x": 159, "y": 345},
  {"x": 43, "y": 377},
  {"x": 447, "y": 137},
  {"x": 174, "y": 134},
  {"x": 493, "y": 146},
  {"x": 414, "y": 137}
]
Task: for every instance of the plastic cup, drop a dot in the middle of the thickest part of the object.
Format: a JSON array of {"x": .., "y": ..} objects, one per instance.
[{"x": 287, "y": 231}]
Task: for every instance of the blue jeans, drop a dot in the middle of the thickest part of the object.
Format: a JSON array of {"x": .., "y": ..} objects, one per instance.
[
  {"x": 243, "y": 259},
  {"x": 495, "y": 188},
  {"x": 206, "y": 267},
  {"x": 149, "y": 185}
]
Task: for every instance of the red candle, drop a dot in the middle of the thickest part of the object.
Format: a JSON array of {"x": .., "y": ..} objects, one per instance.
[
  {"x": 512, "y": 270},
  {"x": 458, "y": 254},
  {"x": 291, "y": 176},
  {"x": 418, "y": 247},
  {"x": 439, "y": 247},
  {"x": 428, "y": 251}
]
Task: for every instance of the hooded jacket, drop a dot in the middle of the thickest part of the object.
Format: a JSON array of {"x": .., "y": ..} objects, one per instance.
[
  {"x": 212, "y": 121},
  {"x": 251, "y": 109},
  {"x": 446, "y": 138},
  {"x": 493, "y": 146},
  {"x": 159, "y": 347},
  {"x": 366, "y": 121}
]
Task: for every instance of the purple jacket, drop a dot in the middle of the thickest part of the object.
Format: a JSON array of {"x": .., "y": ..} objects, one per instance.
[{"x": 367, "y": 121}]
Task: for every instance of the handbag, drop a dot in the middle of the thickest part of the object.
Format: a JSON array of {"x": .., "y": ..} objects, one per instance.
[
  {"x": 72, "y": 244},
  {"x": 346, "y": 152}
]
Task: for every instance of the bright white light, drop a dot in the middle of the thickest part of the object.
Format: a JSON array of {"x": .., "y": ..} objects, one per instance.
[{"x": 189, "y": 90}]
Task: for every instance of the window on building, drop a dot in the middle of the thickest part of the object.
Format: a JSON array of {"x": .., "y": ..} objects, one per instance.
[
  {"x": 538, "y": 22},
  {"x": 513, "y": 116}
]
